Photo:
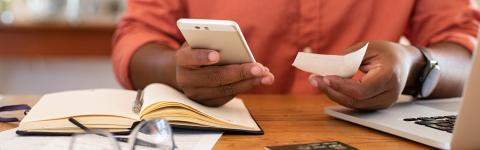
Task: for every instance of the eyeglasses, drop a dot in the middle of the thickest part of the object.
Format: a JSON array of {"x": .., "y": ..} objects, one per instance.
[
  {"x": 24, "y": 107},
  {"x": 155, "y": 134}
]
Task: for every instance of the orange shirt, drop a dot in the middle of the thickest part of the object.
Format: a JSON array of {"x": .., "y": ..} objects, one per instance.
[{"x": 277, "y": 29}]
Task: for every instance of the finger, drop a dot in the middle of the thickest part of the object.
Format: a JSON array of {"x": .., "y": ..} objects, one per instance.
[
  {"x": 367, "y": 67},
  {"x": 349, "y": 87},
  {"x": 336, "y": 96},
  {"x": 374, "y": 82},
  {"x": 221, "y": 91},
  {"x": 380, "y": 101},
  {"x": 187, "y": 57},
  {"x": 214, "y": 76},
  {"x": 377, "y": 79}
]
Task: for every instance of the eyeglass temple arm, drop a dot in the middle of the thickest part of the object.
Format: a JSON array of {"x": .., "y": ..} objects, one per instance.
[
  {"x": 78, "y": 124},
  {"x": 13, "y": 108},
  {"x": 120, "y": 139}
]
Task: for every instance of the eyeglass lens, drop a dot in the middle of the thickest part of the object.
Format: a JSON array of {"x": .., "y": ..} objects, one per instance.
[
  {"x": 93, "y": 141},
  {"x": 153, "y": 134}
]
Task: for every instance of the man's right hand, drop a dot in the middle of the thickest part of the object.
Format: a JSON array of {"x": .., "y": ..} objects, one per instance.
[{"x": 212, "y": 85}]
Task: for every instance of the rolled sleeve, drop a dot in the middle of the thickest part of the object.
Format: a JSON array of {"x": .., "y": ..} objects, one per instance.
[
  {"x": 436, "y": 21},
  {"x": 145, "y": 21}
]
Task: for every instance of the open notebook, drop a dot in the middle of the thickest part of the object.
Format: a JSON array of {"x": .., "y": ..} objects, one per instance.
[{"x": 111, "y": 109}]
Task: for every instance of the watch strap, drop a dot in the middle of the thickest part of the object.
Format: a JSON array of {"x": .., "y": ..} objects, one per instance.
[{"x": 430, "y": 64}]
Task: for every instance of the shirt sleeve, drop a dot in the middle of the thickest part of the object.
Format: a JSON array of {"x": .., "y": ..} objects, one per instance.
[
  {"x": 144, "y": 21},
  {"x": 435, "y": 21}
]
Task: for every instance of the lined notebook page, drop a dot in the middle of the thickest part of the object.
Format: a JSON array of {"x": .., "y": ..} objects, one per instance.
[
  {"x": 234, "y": 111},
  {"x": 114, "y": 102}
]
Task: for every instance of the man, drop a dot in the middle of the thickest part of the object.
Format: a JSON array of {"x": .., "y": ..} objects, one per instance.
[{"x": 148, "y": 47}]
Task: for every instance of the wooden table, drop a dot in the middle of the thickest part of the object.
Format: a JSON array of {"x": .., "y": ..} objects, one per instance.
[{"x": 288, "y": 119}]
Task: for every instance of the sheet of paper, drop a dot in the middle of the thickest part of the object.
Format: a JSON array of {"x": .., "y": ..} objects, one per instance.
[
  {"x": 234, "y": 111},
  {"x": 196, "y": 140},
  {"x": 73, "y": 103},
  {"x": 343, "y": 66},
  {"x": 185, "y": 140}
]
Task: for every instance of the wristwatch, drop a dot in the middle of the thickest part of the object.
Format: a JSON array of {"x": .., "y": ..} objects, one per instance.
[{"x": 428, "y": 80}]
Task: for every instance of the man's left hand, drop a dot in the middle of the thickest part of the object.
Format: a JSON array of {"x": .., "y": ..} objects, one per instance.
[{"x": 386, "y": 66}]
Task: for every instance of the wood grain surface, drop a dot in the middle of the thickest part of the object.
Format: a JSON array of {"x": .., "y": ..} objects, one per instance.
[{"x": 287, "y": 119}]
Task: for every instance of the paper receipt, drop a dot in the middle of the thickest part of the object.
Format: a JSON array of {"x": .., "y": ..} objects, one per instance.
[{"x": 343, "y": 66}]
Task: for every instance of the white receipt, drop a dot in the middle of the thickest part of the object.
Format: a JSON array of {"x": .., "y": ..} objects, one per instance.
[{"x": 343, "y": 66}]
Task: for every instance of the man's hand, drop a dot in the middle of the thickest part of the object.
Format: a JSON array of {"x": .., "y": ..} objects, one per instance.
[
  {"x": 386, "y": 66},
  {"x": 215, "y": 85}
]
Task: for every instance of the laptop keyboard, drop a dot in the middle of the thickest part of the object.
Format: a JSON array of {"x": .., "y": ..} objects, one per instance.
[{"x": 443, "y": 123}]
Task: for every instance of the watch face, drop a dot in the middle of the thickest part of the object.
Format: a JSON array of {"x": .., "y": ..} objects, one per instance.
[{"x": 431, "y": 82}]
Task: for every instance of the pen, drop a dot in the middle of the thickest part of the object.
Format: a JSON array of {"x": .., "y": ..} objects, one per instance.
[{"x": 137, "y": 104}]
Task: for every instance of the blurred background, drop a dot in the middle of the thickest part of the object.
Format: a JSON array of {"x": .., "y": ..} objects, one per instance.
[{"x": 52, "y": 45}]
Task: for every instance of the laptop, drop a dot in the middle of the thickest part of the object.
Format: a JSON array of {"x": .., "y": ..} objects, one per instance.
[{"x": 442, "y": 123}]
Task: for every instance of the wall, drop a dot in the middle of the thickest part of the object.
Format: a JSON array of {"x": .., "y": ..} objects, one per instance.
[{"x": 43, "y": 75}]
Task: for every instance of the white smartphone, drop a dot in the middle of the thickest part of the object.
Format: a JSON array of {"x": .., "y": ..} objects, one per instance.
[{"x": 222, "y": 35}]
